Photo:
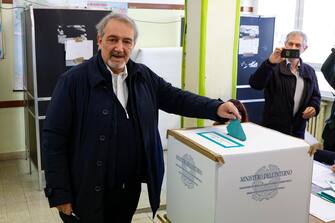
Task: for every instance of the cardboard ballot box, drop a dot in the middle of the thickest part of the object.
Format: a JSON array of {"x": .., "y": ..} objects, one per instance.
[{"x": 212, "y": 177}]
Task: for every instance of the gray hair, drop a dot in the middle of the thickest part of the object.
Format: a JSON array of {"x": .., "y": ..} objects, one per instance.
[
  {"x": 299, "y": 33},
  {"x": 119, "y": 17}
]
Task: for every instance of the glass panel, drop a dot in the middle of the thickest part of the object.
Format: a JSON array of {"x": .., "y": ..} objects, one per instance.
[
  {"x": 284, "y": 11},
  {"x": 319, "y": 25}
]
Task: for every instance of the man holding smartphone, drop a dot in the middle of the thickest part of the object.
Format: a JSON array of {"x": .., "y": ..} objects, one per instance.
[{"x": 290, "y": 87}]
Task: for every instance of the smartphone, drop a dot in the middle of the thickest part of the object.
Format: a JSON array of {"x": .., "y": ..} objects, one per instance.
[{"x": 290, "y": 53}]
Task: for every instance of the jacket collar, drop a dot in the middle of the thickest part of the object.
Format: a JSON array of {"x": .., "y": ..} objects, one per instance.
[{"x": 284, "y": 69}]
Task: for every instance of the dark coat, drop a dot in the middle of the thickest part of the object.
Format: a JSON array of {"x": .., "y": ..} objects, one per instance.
[
  {"x": 324, "y": 156},
  {"x": 328, "y": 135},
  {"x": 81, "y": 110},
  {"x": 279, "y": 86},
  {"x": 328, "y": 68}
]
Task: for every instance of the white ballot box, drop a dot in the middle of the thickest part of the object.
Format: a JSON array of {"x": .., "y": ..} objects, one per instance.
[{"x": 212, "y": 177}]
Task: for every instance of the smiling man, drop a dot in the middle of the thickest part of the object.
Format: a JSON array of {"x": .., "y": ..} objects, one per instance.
[
  {"x": 116, "y": 42},
  {"x": 100, "y": 137}
]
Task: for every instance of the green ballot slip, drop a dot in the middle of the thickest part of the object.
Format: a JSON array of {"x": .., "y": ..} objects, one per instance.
[{"x": 235, "y": 130}]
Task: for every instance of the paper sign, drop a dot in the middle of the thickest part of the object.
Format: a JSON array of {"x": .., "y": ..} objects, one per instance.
[
  {"x": 321, "y": 173},
  {"x": 322, "y": 209},
  {"x": 78, "y": 49},
  {"x": 249, "y": 39},
  {"x": 1, "y": 47}
]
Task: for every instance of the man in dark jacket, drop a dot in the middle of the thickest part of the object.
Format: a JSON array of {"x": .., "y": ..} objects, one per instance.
[
  {"x": 328, "y": 135},
  {"x": 100, "y": 137},
  {"x": 327, "y": 155},
  {"x": 291, "y": 89}
]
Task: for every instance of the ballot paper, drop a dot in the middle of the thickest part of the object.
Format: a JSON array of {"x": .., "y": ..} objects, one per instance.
[
  {"x": 235, "y": 130},
  {"x": 322, "y": 173},
  {"x": 322, "y": 209}
]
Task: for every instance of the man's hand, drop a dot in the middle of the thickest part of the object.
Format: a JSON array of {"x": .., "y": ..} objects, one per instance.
[
  {"x": 333, "y": 168},
  {"x": 228, "y": 110},
  {"x": 275, "y": 57},
  {"x": 308, "y": 113},
  {"x": 65, "y": 208}
]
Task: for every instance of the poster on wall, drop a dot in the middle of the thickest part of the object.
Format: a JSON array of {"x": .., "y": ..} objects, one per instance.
[
  {"x": 1, "y": 45},
  {"x": 249, "y": 39},
  {"x": 18, "y": 50}
]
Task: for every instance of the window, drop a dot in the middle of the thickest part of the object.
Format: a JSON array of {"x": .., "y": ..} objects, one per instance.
[
  {"x": 319, "y": 25},
  {"x": 315, "y": 18},
  {"x": 284, "y": 12}
]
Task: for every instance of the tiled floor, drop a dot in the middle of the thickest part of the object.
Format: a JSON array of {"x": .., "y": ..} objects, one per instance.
[{"x": 21, "y": 201}]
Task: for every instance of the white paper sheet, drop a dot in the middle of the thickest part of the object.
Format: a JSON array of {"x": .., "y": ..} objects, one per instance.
[
  {"x": 321, "y": 173},
  {"x": 311, "y": 140},
  {"x": 1, "y": 47},
  {"x": 248, "y": 46},
  {"x": 249, "y": 39},
  {"x": 322, "y": 209},
  {"x": 74, "y": 49}
]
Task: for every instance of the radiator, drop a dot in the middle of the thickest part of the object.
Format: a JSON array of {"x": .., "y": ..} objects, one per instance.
[{"x": 316, "y": 124}]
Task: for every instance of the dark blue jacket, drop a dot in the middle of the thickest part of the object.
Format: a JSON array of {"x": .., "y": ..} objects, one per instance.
[
  {"x": 279, "y": 87},
  {"x": 81, "y": 110},
  {"x": 328, "y": 68},
  {"x": 328, "y": 134}
]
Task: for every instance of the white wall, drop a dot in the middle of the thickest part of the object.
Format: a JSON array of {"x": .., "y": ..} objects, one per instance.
[
  {"x": 157, "y": 28},
  {"x": 219, "y": 49},
  {"x": 193, "y": 46},
  {"x": 11, "y": 119}
]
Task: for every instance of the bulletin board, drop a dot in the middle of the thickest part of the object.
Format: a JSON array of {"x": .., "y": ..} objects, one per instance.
[
  {"x": 255, "y": 45},
  {"x": 52, "y": 26}
]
